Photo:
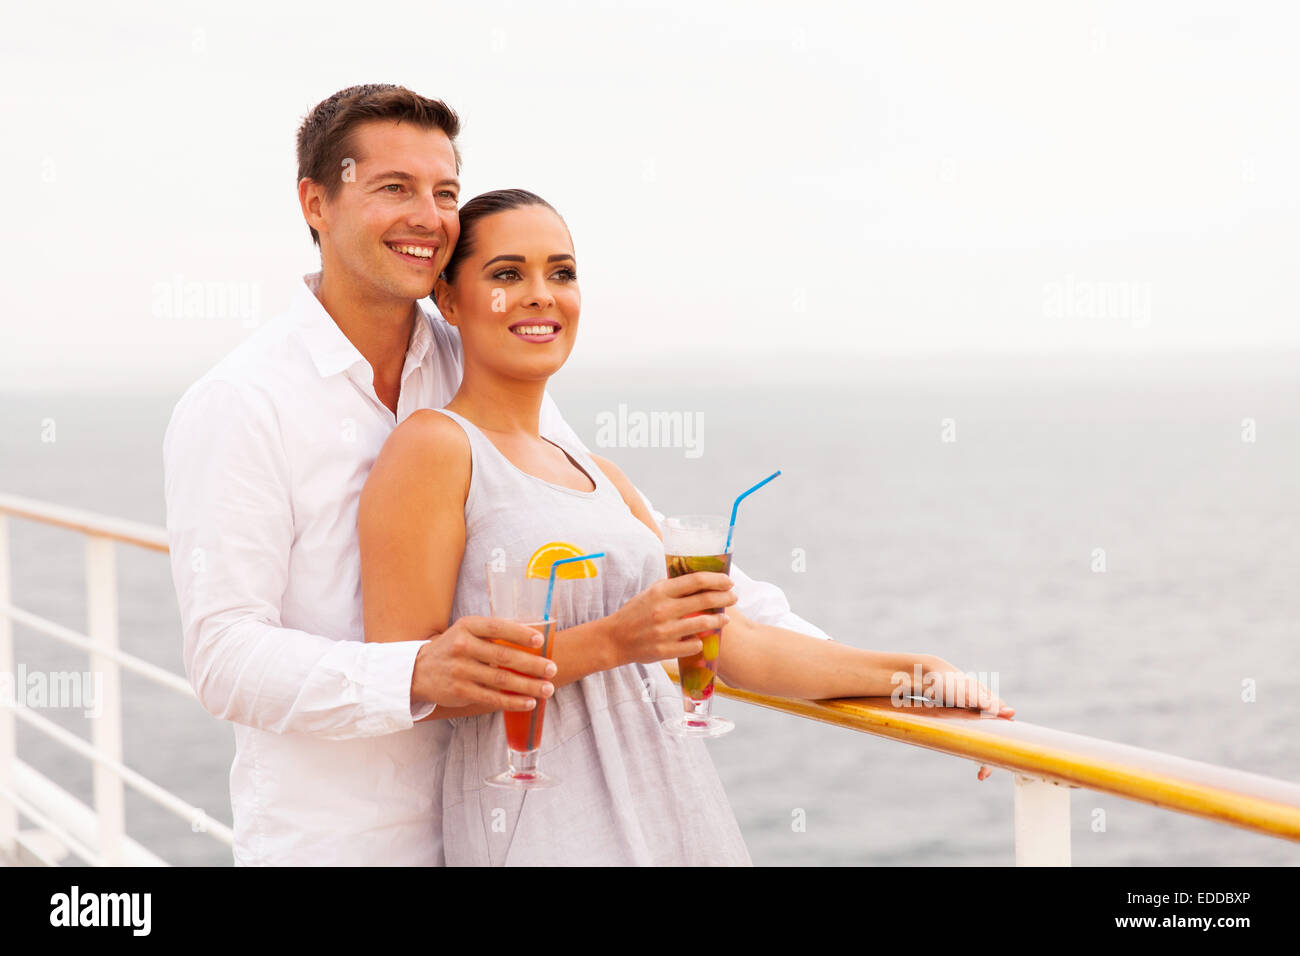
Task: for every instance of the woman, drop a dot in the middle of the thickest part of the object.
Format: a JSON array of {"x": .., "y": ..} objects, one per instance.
[{"x": 454, "y": 488}]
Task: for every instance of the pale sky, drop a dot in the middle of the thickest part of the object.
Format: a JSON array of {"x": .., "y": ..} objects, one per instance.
[{"x": 771, "y": 178}]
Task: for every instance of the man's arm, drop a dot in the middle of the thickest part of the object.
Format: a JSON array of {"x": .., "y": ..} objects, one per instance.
[{"x": 230, "y": 527}]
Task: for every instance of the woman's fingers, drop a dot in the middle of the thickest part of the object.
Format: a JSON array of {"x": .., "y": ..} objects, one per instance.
[
  {"x": 985, "y": 772},
  {"x": 696, "y": 581},
  {"x": 703, "y": 601},
  {"x": 955, "y": 689},
  {"x": 696, "y": 624}
]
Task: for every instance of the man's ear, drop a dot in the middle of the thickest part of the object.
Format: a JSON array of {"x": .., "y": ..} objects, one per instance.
[
  {"x": 442, "y": 297},
  {"x": 311, "y": 196}
]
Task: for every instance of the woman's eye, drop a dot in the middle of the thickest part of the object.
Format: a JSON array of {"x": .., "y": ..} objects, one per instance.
[
  {"x": 566, "y": 275},
  {"x": 505, "y": 274}
]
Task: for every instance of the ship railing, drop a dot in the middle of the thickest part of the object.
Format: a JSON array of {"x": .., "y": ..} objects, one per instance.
[
  {"x": 61, "y": 822},
  {"x": 1046, "y": 764}
]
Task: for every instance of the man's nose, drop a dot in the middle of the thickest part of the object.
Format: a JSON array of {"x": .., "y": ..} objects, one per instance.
[{"x": 424, "y": 213}]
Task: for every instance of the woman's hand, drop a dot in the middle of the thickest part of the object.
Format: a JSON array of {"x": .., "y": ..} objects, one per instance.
[
  {"x": 654, "y": 625},
  {"x": 951, "y": 687}
]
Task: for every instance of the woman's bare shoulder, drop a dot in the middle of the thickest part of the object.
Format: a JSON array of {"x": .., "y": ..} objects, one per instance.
[{"x": 428, "y": 450}]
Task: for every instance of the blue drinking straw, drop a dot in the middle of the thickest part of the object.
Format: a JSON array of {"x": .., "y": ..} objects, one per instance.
[
  {"x": 550, "y": 587},
  {"x": 742, "y": 497}
]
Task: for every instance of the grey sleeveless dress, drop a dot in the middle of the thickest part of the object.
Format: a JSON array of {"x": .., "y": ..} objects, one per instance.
[{"x": 629, "y": 794}]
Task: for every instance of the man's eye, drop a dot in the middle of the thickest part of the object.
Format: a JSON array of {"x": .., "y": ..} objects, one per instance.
[
  {"x": 393, "y": 186},
  {"x": 449, "y": 194}
]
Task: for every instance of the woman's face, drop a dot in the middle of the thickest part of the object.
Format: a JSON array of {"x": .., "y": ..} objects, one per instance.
[{"x": 515, "y": 298}]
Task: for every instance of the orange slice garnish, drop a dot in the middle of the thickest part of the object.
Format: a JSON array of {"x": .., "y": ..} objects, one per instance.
[{"x": 539, "y": 565}]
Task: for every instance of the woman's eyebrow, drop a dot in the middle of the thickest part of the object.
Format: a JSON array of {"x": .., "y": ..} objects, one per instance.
[{"x": 555, "y": 258}]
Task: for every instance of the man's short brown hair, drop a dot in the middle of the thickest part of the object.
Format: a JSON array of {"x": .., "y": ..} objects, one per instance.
[{"x": 325, "y": 136}]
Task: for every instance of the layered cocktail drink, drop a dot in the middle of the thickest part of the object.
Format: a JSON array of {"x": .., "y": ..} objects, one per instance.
[{"x": 698, "y": 543}]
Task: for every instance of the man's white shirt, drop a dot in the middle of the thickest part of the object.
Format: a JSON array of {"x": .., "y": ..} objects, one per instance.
[{"x": 265, "y": 459}]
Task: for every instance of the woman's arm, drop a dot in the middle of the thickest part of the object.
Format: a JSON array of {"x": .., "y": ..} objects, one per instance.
[
  {"x": 411, "y": 526},
  {"x": 783, "y": 663}
]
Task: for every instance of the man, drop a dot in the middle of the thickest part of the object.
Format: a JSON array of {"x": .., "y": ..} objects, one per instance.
[{"x": 265, "y": 458}]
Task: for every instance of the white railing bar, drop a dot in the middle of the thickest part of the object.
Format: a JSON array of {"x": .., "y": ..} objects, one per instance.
[
  {"x": 49, "y": 826},
  {"x": 1042, "y": 822},
  {"x": 106, "y": 730},
  {"x": 141, "y": 535},
  {"x": 26, "y": 845},
  {"x": 67, "y": 635},
  {"x": 160, "y": 795},
  {"x": 76, "y": 817}
]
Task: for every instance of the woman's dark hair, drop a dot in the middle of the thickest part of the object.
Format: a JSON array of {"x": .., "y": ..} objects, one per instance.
[{"x": 480, "y": 207}]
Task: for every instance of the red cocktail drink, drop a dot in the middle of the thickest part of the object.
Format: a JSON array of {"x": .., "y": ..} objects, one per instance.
[{"x": 524, "y": 727}]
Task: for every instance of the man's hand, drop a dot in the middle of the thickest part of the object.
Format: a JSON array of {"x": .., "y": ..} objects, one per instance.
[
  {"x": 462, "y": 667},
  {"x": 654, "y": 626}
]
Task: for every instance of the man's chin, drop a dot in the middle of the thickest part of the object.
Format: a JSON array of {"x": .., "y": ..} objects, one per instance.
[{"x": 408, "y": 289}]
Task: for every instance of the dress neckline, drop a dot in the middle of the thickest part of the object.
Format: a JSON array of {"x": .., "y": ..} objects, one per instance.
[{"x": 595, "y": 490}]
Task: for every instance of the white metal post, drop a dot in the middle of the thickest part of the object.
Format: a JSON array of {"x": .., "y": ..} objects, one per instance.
[
  {"x": 1042, "y": 822},
  {"x": 8, "y": 732},
  {"x": 105, "y": 730}
]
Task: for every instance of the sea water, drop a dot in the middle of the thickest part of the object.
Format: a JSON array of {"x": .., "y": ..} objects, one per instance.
[{"x": 1115, "y": 538}]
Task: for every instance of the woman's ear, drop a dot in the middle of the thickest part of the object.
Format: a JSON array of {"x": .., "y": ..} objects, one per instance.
[{"x": 442, "y": 297}]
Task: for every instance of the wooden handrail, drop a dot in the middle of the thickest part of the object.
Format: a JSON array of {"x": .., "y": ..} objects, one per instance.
[
  {"x": 118, "y": 529},
  {"x": 1246, "y": 800},
  {"x": 1235, "y": 797}
]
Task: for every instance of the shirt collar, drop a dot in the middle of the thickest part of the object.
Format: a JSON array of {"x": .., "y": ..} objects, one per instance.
[{"x": 331, "y": 351}]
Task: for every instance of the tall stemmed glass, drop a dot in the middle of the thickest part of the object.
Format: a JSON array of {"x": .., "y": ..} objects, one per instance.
[
  {"x": 698, "y": 543},
  {"x": 544, "y": 604},
  {"x": 701, "y": 543}
]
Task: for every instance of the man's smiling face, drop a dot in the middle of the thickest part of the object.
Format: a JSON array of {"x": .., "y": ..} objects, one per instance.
[{"x": 390, "y": 227}]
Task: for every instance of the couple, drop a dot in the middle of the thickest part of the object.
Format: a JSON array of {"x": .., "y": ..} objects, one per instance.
[{"x": 329, "y": 528}]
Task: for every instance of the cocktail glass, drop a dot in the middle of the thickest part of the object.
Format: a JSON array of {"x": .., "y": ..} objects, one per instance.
[
  {"x": 698, "y": 543},
  {"x": 515, "y": 596}
]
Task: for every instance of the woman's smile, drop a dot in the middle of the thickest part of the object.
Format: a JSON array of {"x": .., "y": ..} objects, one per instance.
[{"x": 536, "y": 330}]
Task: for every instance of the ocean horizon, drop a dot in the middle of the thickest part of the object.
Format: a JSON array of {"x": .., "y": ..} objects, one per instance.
[{"x": 957, "y": 506}]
